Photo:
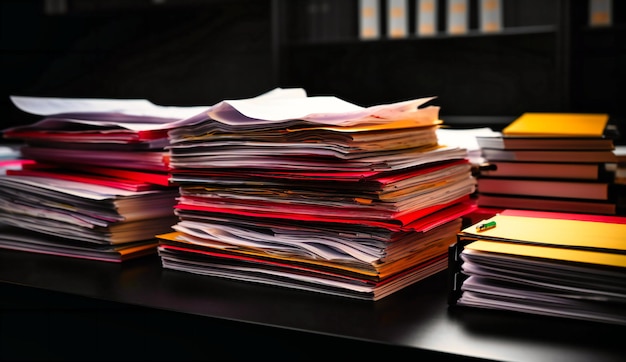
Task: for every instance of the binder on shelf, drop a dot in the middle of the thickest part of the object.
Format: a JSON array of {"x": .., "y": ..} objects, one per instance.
[
  {"x": 457, "y": 17},
  {"x": 600, "y": 13},
  {"x": 369, "y": 19},
  {"x": 316, "y": 15},
  {"x": 426, "y": 17},
  {"x": 397, "y": 18},
  {"x": 328, "y": 20},
  {"x": 490, "y": 16}
]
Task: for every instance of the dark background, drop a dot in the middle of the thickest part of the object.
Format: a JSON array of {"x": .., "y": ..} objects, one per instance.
[
  {"x": 175, "y": 53},
  {"x": 199, "y": 52}
]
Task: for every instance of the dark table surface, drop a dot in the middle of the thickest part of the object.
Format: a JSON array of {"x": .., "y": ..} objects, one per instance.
[{"x": 414, "y": 320}]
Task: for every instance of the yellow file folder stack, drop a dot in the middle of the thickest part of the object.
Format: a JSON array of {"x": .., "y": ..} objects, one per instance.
[{"x": 554, "y": 264}]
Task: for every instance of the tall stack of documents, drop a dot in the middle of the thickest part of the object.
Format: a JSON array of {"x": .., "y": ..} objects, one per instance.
[
  {"x": 96, "y": 184},
  {"x": 552, "y": 162},
  {"x": 315, "y": 193},
  {"x": 545, "y": 263}
]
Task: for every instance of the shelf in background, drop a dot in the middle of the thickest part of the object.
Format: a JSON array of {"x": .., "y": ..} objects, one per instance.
[{"x": 511, "y": 31}]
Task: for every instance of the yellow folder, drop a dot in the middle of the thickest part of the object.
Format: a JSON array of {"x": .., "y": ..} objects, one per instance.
[
  {"x": 536, "y": 124},
  {"x": 569, "y": 233},
  {"x": 546, "y": 252}
]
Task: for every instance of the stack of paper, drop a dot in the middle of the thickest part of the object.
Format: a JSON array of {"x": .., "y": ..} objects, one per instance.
[
  {"x": 93, "y": 179},
  {"x": 84, "y": 219},
  {"x": 546, "y": 263},
  {"x": 551, "y": 162},
  {"x": 107, "y": 136},
  {"x": 316, "y": 193}
]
